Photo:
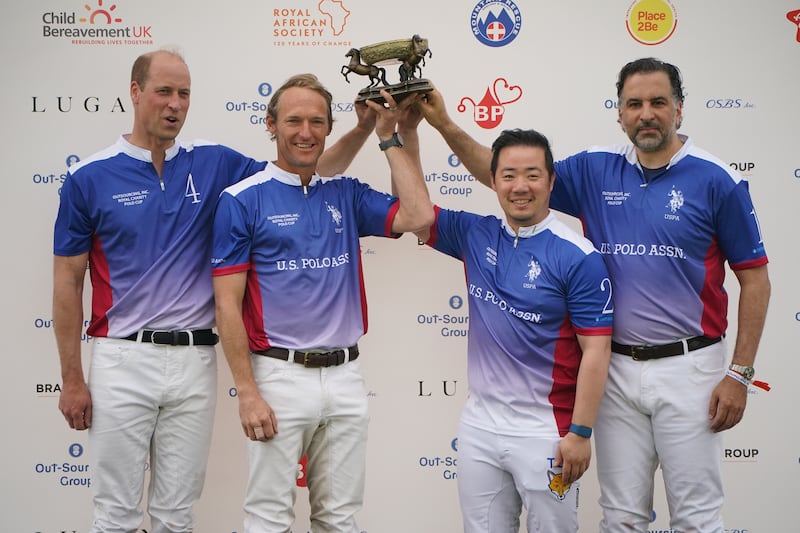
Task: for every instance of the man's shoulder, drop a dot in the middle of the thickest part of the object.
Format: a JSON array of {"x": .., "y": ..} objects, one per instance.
[
  {"x": 711, "y": 165},
  {"x": 205, "y": 146},
  {"x": 252, "y": 183},
  {"x": 102, "y": 157},
  {"x": 567, "y": 236}
]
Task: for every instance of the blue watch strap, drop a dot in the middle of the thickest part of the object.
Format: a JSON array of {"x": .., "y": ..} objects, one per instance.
[{"x": 582, "y": 431}]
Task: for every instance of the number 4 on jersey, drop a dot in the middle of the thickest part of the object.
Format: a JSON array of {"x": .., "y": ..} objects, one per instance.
[{"x": 191, "y": 192}]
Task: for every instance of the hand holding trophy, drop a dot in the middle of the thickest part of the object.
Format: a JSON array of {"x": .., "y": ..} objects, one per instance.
[{"x": 365, "y": 61}]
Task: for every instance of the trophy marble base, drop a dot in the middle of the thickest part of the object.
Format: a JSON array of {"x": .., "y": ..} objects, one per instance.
[{"x": 398, "y": 90}]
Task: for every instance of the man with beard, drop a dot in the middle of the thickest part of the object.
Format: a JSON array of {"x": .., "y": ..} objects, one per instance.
[{"x": 666, "y": 216}]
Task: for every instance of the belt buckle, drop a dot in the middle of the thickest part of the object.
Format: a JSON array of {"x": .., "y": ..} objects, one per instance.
[
  {"x": 172, "y": 334},
  {"x": 153, "y": 337},
  {"x": 634, "y": 354},
  {"x": 307, "y": 362}
]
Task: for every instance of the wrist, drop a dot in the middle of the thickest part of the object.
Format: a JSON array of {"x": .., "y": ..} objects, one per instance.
[
  {"x": 387, "y": 142},
  {"x": 746, "y": 371},
  {"x": 738, "y": 377},
  {"x": 581, "y": 431}
]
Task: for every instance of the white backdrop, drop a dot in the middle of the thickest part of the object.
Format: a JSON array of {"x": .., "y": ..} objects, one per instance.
[{"x": 65, "y": 96}]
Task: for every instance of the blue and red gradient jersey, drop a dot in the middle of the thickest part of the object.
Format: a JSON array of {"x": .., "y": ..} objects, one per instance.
[
  {"x": 529, "y": 295},
  {"x": 665, "y": 240},
  {"x": 148, "y": 239},
  {"x": 300, "y": 248}
]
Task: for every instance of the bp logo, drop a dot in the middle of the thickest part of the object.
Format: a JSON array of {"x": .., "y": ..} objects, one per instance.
[{"x": 495, "y": 22}]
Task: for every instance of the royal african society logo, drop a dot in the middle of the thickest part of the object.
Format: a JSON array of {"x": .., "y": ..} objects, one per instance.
[
  {"x": 651, "y": 22},
  {"x": 495, "y": 22},
  {"x": 321, "y": 25},
  {"x": 98, "y": 24}
]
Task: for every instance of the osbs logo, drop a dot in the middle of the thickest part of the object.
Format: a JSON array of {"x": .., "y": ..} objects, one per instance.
[{"x": 727, "y": 103}]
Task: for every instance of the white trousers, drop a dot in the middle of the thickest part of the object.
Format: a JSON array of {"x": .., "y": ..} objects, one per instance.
[
  {"x": 151, "y": 404},
  {"x": 656, "y": 412},
  {"x": 322, "y": 413},
  {"x": 499, "y": 474}
]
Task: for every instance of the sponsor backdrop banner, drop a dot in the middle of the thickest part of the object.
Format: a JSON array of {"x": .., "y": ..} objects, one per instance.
[{"x": 500, "y": 64}]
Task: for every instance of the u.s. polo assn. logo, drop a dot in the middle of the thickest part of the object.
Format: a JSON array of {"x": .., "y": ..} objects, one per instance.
[
  {"x": 336, "y": 216},
  {"x": 534, "y": 271},
  {"x": 675, "y": 203}
]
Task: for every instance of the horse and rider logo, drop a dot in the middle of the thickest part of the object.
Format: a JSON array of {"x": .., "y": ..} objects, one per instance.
[{"x": 675, "y": 200}]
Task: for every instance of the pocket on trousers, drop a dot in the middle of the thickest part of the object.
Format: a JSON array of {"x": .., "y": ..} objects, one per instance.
[
  {"x": 707, "y": 363},
  {"x": 269, "y": 370},
  {"x": 110, "y": 353}
]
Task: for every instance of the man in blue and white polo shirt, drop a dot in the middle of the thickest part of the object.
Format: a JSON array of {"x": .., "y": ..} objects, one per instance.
[
  {"x": 291, "y": 307},
  {"x": 139, "y": 213},
  {"x": 667, "y": 216},
  {"x": 540, "y": 316}
]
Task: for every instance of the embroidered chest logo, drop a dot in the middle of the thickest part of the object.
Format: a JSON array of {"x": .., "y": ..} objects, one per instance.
[
  {"x": 128, "y": 199},
  {"x": 336, "y": 216},
  {"x": 191, "y": 192},
  {"x": 557, "y": 486},
  {"x": 675, "y": 200},
  {"x": 534, "y": 271},
  {"x": 491, "y": 256}
]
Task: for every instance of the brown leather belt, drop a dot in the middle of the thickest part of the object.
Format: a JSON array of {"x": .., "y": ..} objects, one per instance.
[
  {"x": 313, "y": 359},
  {"x": 647, "y": 352}
]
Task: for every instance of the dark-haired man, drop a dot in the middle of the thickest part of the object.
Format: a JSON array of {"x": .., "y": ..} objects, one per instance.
[
  {"x": 666, "y": 215},
  {"x": 539, "y": 345}
]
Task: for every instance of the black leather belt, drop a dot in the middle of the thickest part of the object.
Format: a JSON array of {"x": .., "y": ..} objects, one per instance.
[
  {"x": 313, "y": 359},
  {"x": 647, "y": 352},
  {"x": 197, "y": 337}
]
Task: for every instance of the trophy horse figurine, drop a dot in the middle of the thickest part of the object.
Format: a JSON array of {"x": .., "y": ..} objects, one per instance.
[{"x": 410, "y": 52}]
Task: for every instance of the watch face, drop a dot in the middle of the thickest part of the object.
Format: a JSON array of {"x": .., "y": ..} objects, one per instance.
[{"x": 747, "y": 371}]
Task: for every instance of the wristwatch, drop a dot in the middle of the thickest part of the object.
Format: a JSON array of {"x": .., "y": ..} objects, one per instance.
[
  {"x": 747, "y": 372},
  {"x": 394, "y": 140}
]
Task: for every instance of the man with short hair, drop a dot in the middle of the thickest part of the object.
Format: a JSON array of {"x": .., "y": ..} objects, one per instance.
[
  {"x": 291, "y": 307},
  {"x": 140, "y": 214},
  {"x": 538, "y": 348},
  {"x": 666, "y": 216}
]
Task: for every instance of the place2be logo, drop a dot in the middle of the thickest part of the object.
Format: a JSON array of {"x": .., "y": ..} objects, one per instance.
[{"x": 651, "y": 22}]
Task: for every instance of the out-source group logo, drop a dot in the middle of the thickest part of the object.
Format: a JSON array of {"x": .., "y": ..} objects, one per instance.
[
  {"x": 794, "y": 18},
  {"x": 495, "y": 22},
  {"x": 651, "y": 22},
  {"x": 489, "y": 111}
]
